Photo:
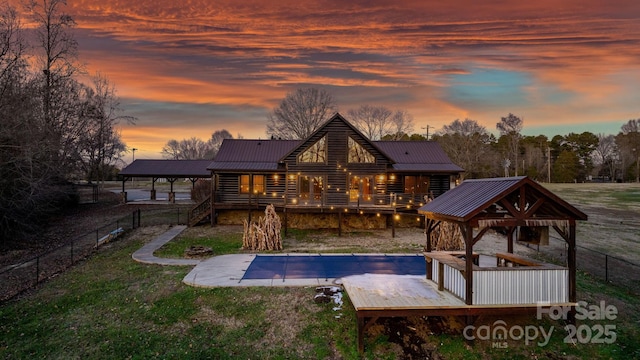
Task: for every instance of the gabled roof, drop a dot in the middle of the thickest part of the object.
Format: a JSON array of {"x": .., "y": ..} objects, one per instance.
[
  {"x": 418, "y": 156},
  {"x": 257, "y": 155},
  {"x": 268, "y": 155},
  {"x": 520, "y": 197},
  {"x": 167, "y": 168},
  {"x": 337, "y": 117}
]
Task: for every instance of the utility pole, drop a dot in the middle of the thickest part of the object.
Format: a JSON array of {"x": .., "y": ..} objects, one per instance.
[
  {"x": 133, "y": 158},
  {"x": 427, "y": 128},
  {"x": 637, "y": 164},
  {"x": 549, "y": 165}
]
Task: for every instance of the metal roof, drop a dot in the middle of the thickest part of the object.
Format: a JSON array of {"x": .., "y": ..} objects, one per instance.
[
  {"x": 443, "y": 168},
  {"x": 414, "y": 152},
  {"x": 242, "y": 154},
  {"x": 249, "y": 166},
  {"x": 472, "y": 197},
  {"x": 256, "y": 155},
  {"x": 167, "y": 168}
]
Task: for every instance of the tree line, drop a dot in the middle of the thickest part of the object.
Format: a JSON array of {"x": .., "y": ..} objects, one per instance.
[
  {"x": 563, "y": 158},
  {"x": 55, "y": 129}
]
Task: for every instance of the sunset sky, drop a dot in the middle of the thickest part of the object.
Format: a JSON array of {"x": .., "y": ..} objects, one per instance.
[{"x": 189, "y": 68}]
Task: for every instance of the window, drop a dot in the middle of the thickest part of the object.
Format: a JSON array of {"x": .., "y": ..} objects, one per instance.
[
  {"x": 258, "y": 184},
  {"x": 244, "y": 184},
  {"x": 316, "y": 153},
  {"x": 416, "y": 184},
  {"x": 358, "y": 154}
]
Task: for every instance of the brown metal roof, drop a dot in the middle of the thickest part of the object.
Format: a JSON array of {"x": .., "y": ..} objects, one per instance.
[
  {"x": 414, "y": 152},
  {"x": 243, "y": 150},
  {"x": 476, "y": 197},
  {"x": 167, "y": 168},
  {"x": 418, "y": 156},
  {"x": 265, "y": 155}
]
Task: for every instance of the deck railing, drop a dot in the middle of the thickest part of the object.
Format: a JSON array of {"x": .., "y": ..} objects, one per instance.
[
  {"x": 501, "y": 285},
  {"x": 399, "y": 201}
]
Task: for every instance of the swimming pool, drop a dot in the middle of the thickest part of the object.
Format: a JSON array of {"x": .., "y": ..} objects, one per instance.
[{"x": 332, "y": 266}]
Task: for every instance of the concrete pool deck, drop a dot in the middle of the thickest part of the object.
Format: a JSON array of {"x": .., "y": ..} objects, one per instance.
[{"x": 229, "y": 270}]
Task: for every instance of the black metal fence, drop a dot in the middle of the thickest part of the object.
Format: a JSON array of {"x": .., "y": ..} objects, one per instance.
[
  {"x": 27, "y": 274},
  {"x": 612, "y": 269}
]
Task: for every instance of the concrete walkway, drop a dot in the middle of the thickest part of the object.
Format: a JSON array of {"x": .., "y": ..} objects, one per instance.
[{"x": 145, "y": 253}]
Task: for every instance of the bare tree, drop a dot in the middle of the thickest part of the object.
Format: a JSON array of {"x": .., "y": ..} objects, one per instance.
[
  {"x": 401, "y": 124},
  {"x": 186, "y": 149},
  {"x": 373, "y": 121},
  {"x": 510, "y": 127},
  {"x": 628, "y": 142},
  {"x": 12, "y": 47},
  {"x": 300, "y": 114},
  {"x": 468, "y": 144},
  {"x": 378, "y": 122},
  {"x": 57, "y": 59},
  {"x": 171, "y": 150},
  {"x": 215, "y": 142},
  {"x": 101, "y": 144},
  {"x": 604, "y": 155}
]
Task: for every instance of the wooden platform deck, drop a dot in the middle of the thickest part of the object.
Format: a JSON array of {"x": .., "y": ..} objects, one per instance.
[{"x": 379, "y": 295}]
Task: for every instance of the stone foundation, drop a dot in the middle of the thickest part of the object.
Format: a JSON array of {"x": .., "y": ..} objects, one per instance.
[{"x": 323, "y": 220}]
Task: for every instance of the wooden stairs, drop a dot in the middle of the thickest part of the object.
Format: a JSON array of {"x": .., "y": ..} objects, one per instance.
[{"x": 200, "y": 212}]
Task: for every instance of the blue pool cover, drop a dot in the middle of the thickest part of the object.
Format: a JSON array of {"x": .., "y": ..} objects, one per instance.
[{"x": 332, "y": 266}]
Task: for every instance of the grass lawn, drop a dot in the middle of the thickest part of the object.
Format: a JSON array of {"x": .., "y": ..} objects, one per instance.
[{"x": 112, "y": 307}]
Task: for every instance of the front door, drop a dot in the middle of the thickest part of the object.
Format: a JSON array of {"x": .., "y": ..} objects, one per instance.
[
  {"x": 310, "y": 189},
  {"x": 361, "y": 190}
]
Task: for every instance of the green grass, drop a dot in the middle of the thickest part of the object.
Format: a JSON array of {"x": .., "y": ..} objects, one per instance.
[
  {"x": 607, "y": 195},
  {"x": 112, "y": 307},
  {"x": 222, "y": 244}
]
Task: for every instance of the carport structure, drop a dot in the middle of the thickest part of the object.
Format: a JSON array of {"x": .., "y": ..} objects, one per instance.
[{"x": 172, "y": 170}]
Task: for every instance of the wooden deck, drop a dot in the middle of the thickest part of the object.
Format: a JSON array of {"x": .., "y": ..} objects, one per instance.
[{"x": 379, "y": 295}]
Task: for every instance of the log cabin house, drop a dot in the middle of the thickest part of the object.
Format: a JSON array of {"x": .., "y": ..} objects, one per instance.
[{"x": 333, "y": 176}]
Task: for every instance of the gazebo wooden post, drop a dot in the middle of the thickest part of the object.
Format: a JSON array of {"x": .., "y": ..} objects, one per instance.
[
  {"x": 427, "y": 231},
  {"x": 468, "y": 272},
  {"x": 571, "y": 263},
  {"x": 511, "y": 231}
]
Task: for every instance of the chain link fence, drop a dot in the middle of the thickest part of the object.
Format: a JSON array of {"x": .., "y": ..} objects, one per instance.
[{"x": 27, "y": 274}]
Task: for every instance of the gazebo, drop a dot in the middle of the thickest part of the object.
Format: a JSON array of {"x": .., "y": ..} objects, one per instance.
[{"x": 519, "y": 206}]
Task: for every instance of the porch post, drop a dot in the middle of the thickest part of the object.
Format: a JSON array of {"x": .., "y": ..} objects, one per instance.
[
  {"x": 468, "y": 273},
  {"x": 212, "y": 196},
  {"x": 571, "y": 262}
]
